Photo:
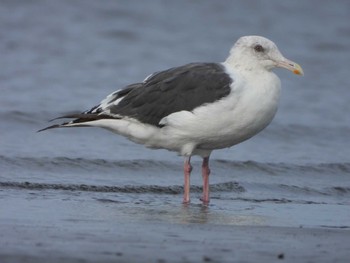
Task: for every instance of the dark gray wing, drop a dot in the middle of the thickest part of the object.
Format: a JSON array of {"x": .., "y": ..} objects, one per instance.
[
  {"x": 176, "y": 89},
  {"x": 161, "y": 94}
]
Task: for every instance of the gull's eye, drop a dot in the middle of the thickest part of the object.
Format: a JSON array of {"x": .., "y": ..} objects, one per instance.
[{"x": 259, "y": 48}]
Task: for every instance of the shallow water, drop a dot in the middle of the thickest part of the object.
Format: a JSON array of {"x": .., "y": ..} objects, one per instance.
[{"x": 65, "y": 56}]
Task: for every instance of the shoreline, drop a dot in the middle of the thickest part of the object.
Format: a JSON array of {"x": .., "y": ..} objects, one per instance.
[{"x": 72, "y": 227}]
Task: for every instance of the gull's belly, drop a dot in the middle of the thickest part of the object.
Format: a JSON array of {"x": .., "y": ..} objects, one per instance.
[{"x": 236, "y": 127}]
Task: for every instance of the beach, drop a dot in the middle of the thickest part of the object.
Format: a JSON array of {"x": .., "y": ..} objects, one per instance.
[{"x": 61, "y": 226}]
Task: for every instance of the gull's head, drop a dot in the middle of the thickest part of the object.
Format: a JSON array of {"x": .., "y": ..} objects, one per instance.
[{"x": 259, "y": 53}]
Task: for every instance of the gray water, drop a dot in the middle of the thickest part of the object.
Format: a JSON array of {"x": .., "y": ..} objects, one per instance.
[{"x": 59, "y": 57}]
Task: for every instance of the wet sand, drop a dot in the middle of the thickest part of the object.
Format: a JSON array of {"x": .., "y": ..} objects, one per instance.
[{"x": 62, "y": 226}]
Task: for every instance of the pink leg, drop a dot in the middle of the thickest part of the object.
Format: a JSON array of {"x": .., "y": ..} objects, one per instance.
[
  {"x": 205, "y": 175},
  {"x": 187, "y": 174}
]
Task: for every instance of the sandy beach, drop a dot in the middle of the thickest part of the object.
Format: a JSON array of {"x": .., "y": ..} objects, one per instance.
[{"x": 58, "y": 226}]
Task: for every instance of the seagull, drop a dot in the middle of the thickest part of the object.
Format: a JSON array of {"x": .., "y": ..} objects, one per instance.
[{"x": 198, "y": 107}]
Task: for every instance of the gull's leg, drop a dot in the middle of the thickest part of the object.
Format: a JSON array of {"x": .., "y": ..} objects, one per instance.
[
  {"x": 205, "y": 175},
  {"x": 187, "y": 174}
]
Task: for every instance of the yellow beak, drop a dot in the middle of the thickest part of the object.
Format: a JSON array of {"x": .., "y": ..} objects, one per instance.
[{"x": 290, "y": 65}]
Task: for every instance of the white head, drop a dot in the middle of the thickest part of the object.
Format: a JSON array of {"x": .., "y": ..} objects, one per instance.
[{"x": 259, "y": 53}]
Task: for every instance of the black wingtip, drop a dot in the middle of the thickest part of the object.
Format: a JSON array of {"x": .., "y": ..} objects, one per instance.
[
  {"x": 50, "y": 127},
  {"x": 68, "y": 116},
  {"x": 80, "y": 119}
]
